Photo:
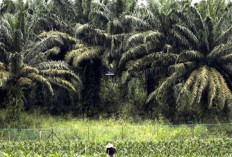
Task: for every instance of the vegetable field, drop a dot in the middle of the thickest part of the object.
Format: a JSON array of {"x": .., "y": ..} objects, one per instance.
[
  {"x": 76, "y": 138},
  {"x": 190, "y": 147}
]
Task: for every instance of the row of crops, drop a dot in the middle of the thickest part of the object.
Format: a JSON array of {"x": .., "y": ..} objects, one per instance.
[{"x": 191, "y": 147}]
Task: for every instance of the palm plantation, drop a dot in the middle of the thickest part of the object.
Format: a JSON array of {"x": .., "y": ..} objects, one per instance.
[
  {"x": 150, "y": 77},
  {"x": 169, "y": 58}
]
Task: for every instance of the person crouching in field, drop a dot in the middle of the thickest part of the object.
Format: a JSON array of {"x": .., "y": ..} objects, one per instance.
[{"x": 111, "y": 150}]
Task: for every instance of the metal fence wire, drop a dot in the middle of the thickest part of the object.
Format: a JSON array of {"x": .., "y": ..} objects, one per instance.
[{"x": 155, "y": 132}]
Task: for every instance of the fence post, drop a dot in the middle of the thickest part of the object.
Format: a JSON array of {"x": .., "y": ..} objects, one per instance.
[
  {"x": 88, "y": 133},
  {"x": 40, "y": 135},
  {"x": 157, "y": 130},
  {"x": 144, "y": 134},
  {"x": 8, "y": 136},
  {"x": 193, "y": 131},
  {"x": 122, "y": 133},
  {"x": 52, "y": 136}
]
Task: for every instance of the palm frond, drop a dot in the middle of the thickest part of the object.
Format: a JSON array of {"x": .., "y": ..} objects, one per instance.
[
  {"x": 91, "y": 35},
  {"x": 24, "y": 81},
  {"x": 135, "y": 21},
  {"x": 188, "y": 83},
  {"x": 28, "y": 69},
  {"x": 135, "y": 39},
  {"x": 62, "y": 83},
  {"x": 72, "y": 54},
  {"x": 186, "y": 21},
  {"x": 44, "y": 45},
  {"x": 150, "y": 61},
  {"x": 210, "y": 30},
  {"x": 194, "y": 91},
  {"x": 64, "y": 36},
  {"x": 204, "y": 82},
  {"x": 183, "y": 67},
  {"x": 220, "y": 50},
  {"x": 226, "y": 58},
  {"x": 114, "y": 27},
  {"x": 136, "y": 67},
  {"x": 167, "y": 83},
  {"x": 98, "y": 15},
  {"x": 42, "y": 80},
  {"x": 60, "y": 73},
  {"x": 53, "y": 65},
  {"x": 5, "y": 36},
  {"x": 133, "y": 53},
  {"x": 143, "y": 37},
  {"x": 98, "y": 6},
  {"x": 4, "y": 77},
  {"x": 212, "y": 89},
  {"x": 191, "y": 55},
  {"x": 90, "y": 53},
  {"x": 80, "y": 29},
  {"x": 52, "y": 51},
  {"x": 188, "y": 34},
  {"x": 153, "y": 36},
  {"x": 219, "y": 24},
  {"x": 224, "y": 37},
  {"x": 199, "y": 23},
  {"x": 2, "y": 66},
  {"x": 181, "y": 39},
  {"x": 222, "y": 91},
  {"x": 42, "y": 56}
]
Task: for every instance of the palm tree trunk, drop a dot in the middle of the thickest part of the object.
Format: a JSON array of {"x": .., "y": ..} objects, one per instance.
[{"x": 91, "y": 82}]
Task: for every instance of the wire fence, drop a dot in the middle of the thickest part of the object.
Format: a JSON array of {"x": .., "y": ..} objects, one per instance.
[{"x": 155, "y": 132}]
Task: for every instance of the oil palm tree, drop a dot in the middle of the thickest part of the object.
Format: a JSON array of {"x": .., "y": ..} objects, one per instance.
[
  {"x": 91, "y": 57},
  {"x": 83, "y": 58},
  {"x": 25, "y": 63},
  {"x": 109, "y": 25},
  {"x": 151, "y": 37},
  {"x": 203, "y": 66}
]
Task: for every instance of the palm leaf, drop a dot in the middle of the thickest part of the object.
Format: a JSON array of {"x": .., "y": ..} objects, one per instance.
[
  {"x": 191, "y": 55},
  {"x": 135, "y": 21},
  {"x": 4, "y": 77},
  {"x": 41, "y": 79},
  {"x": 167, "y": 83},
  {"x": 188, "y": 83},
  {"x": 60, "y": 73},
  {"x": 224, "y": 36},
  {"x": 90, "y": 53},
  {"x": 28, "y": 69},
  {"x": 188, "y": 34},
  {"x": 62, "y": 83},
  {"x": 53, "y": 65},
  {"x": 133, "y": 53}
]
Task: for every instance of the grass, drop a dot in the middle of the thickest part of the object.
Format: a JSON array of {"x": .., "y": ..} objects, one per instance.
[
  {"x": 86, "y": 137},
  {"x": 38, "y": 127}
]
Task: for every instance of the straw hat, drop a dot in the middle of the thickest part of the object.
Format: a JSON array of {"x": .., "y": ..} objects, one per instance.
[{"x": 109, "y": 145}]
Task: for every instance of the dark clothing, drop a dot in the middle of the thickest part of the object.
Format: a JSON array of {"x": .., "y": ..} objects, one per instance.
[{"x": 110, "y": 151}]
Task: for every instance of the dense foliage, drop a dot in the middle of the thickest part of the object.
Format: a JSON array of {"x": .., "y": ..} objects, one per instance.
[{"x": 168, "y": 57}]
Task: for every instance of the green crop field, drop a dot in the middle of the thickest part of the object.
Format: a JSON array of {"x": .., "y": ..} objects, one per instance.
[
  {"x": 82, "y": 137},
  {"x": 191, "y": 148}
]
